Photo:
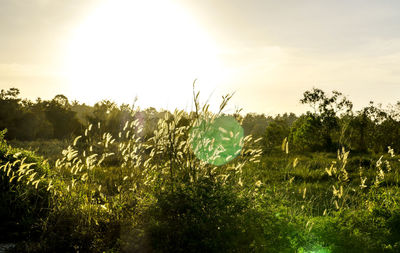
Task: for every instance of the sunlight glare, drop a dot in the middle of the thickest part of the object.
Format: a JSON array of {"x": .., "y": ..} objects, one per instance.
[{"x": 152, "y": 49}]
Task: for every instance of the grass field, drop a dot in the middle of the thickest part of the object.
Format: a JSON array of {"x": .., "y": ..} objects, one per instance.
[
  {"x": 195, "y": 185},
  {"x": 136, "y": 196}
]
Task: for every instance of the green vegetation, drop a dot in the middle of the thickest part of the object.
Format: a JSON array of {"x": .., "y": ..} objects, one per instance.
[
  {"x": 24, "y": 198},
  {"x": 121, "y": 179}
]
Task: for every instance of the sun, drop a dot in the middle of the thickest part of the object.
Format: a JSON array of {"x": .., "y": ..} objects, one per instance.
[{"x": 152, "y": 49}]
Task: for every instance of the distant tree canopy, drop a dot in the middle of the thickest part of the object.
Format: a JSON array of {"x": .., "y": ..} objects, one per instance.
[
  {"x": 59, "y": 119},
  {"x": 26, "y": 120},
  {"x": 329, "y": 124},
  {"x": 332, "y": 124},
  {"x": 277, "y": 130},
  {"x": 317, "y": 130}
]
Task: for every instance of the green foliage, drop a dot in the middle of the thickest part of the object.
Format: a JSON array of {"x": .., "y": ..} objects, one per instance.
[
  {"x": 131, "y": 181},
  {"x": 325, "y": 116},
  {"x": 359, "y": 231},
  {"x": 93, "y": 202},
  {"x": 330, "y": 125},
  {"x": 50, "y": 149},
  {"x": 277, "y": 130},
  {"x": 305, "y": 134},
  {"x": 26, "y": 120},
  {"x": 201, "y": 217},
  {"x": 255, "y": 124},
  {"x": 24, "y": 198},
  {"x": 326, "y": 106},
  {"x": 61, "y": 117}
]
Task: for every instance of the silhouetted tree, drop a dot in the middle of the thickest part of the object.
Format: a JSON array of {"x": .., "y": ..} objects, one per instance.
[
  {"x": 326, "y": 110},
  {"x": 277, "y": 130}
]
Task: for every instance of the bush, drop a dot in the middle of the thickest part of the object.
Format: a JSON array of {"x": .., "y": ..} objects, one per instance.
[
  {"x": 201, "y": 217},
  {"x": 359, "y": 231},
  {"x": 24, "y": 198}
]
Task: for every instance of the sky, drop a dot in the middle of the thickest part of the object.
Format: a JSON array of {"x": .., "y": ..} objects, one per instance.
[{"x": 267, "y": 52}]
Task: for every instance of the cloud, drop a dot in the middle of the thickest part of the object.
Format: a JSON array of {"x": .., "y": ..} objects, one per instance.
[
  {"x": 272, "y": 51},
  {"x": 272, "y": 79}
]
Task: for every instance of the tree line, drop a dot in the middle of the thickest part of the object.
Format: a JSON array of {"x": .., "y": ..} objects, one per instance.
[{"x": 329, "y": 124}]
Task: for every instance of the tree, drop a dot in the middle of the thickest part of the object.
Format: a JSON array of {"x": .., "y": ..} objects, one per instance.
[
  {"x": 110, "y": 116},
  {"x": 10, "y": 94},
  {"x": 306, "y": 133},
  {"x": 61, "y": 100},
  {"x": 324, "y": 105},
  {"x": 63, "y": 119},
  {"x": 10, "y": 111},
  {"x": 277, "y": 130},
  {"x": 357, "y": 130},
  {"x": 326, "y": 110},
  {"x": 255, "y": 124}
]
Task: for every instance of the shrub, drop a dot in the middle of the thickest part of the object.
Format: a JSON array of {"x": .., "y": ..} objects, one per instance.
[
  {"x": 202, "y": 217},
  {"x": 96, "y": 207},
  {"x": 359, "y": 231},
  {"x": 24, "y": 198}
]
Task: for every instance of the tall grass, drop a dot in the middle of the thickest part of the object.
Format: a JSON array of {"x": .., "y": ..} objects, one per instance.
[
  {"x": 129, "y": 193},
  {"x": 104, "y": 185}
]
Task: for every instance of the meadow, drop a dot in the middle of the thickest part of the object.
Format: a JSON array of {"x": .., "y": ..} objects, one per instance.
[{"x": 128, "y": 180}]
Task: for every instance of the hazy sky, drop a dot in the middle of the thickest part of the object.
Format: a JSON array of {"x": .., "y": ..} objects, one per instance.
[{"x": 268, "y": 52}]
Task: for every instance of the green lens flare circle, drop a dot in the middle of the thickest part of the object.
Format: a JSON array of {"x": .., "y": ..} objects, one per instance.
[{"x": 217, "y": 141}]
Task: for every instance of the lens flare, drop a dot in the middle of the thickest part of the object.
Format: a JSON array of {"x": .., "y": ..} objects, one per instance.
[{"x": 217, "y": 141}]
